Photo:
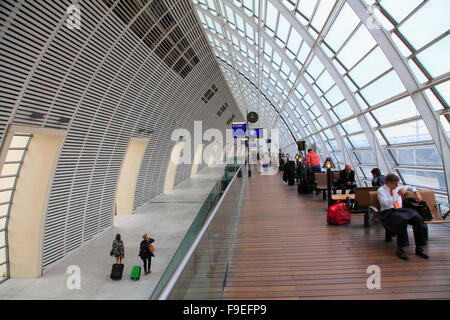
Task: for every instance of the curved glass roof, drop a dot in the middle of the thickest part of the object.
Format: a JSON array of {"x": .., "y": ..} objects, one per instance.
[{"x": 366, "y": 81}]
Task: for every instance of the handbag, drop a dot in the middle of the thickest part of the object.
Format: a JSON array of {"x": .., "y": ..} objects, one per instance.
[
  {"x": 421, "y": 207},
  {"x": 112, "y": 252},
  {"x": 338, "y": 213},
  {"x": 151, "y": 248}
]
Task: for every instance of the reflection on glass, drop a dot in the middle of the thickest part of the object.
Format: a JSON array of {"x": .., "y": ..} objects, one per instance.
[
  {"x": 413, "y": 131},
  {"x": 419, "y": 156},
  {"x": 425, "y": 179}
]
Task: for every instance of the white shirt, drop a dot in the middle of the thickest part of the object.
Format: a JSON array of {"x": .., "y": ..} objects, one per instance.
[{"x": 386, "y": 198}]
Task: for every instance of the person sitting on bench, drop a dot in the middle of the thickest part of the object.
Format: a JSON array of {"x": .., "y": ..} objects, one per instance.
[
  {"x": 313, "y": 160},
  {"x": 378, "y": 179},
  {"x": 347, "y": 180},
  {"x": 395, "y": 219}
]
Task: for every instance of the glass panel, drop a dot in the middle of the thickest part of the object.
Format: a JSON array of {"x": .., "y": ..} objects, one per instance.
[
  {"x": 334, "y": 95},
  {"x": 2, "y": 253},
  {"x": 338, "y": 155},
  {"x": 322, "y": 13},
  {"x": 444, "y": 90},
  {"x": 382, "y": 89},
  {"x": 428, "y": 23},
  {"x": 341, "y": 29},
  {"x": 366, "y": 171},
  {"x": 372, "y": 66},
  {"x": 425, "y": 179},
  {"x": 271, "y": 16},
  {"x": 19, "y": 142},
  {"x": 9, "y": 169},
  {"x": 2, "y": 239},
  {"x": 413, "y": 131},
  {"x": 2, "y": 272},
  {"x": 307, "y": 7},
  {"x": 435, "y": 58},
  {"x": 357, "y": 47},
  {"x": 3, "y": 223},
  {"x": 366, "y": 157},
  {"x": 315, "y": 68},
  {"x": 283, "y": 29},
  {"x": 7, "y": 182},
  {"x": 343, "y": 110},
  {"x": 388, "y": 157},
  {"x": 325, "y": 81},
  {"x": 359, "y": 141},
  {"x": 351, "y": 126},
  {"x": 400, "y": 9},
  {"x": 445, "y": 124},
  {"x": 420, "y": 75},
  {"x": 14, "y": 155},
  {"x": 419, "y": 156},
  {"x": 398, "y": 110}
]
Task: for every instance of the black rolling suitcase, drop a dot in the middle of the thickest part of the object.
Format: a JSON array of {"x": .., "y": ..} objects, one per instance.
[{"x": 117, "y": 271}]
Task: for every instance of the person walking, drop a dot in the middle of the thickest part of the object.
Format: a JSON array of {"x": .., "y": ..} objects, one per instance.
[
  {"x": 118, "y": 250},
  {"x": 145, "y": 253}
]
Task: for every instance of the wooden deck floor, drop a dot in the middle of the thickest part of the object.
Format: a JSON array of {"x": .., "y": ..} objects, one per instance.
[{"x": 284, "y": 249}]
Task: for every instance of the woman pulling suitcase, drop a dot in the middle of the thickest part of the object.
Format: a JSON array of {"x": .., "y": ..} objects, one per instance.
[{"x": 146, "y": 253}]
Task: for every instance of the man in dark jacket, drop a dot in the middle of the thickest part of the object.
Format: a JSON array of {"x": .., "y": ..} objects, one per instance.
[
  {"x": 145, "y": 253},
  {"x": 347, "y": 179},
  {"x": 378, "y": 179}
]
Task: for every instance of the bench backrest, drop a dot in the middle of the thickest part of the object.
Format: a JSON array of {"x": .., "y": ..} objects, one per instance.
[
  {"x": 427, "y": 196},
  {"x": 335, "y": 175},
  {"x": 362, "y": 199},
  {"x": 321, "y": 178}
]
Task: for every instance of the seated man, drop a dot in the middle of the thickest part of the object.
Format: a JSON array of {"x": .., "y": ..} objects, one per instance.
[
  {"x": 313, "y": 160},
  {"x": 378, "y": 179},
  {"x": 347, "y": 180},
  {"x": 395, "y": 219}
]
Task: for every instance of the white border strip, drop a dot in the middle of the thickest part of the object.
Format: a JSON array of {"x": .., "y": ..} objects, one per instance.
[{"x": 171, "y": 283}]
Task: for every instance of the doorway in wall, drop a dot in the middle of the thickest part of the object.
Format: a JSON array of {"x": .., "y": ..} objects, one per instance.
[
  {"x": 129, "y": 174},
  {"x": 15, "y": 154},
  {"x": 27, "y": 160}
]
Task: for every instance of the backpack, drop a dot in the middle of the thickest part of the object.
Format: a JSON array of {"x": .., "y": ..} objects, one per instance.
[
  {"x": 338, "y": 213},
  {"x": 421, "y": 207}
]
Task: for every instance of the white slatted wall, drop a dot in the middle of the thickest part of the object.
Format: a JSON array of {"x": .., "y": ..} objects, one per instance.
[{"x": 109, "y": 84}]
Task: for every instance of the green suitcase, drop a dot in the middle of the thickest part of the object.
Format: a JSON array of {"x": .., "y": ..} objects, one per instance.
[{"x": 135, "y": 273}]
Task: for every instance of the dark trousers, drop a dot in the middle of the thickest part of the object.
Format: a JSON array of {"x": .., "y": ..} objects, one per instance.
[
  {"x": 147, "y": 261},
  {"x": 345, "y": 187},
  {"x": 396, "y": 223}
]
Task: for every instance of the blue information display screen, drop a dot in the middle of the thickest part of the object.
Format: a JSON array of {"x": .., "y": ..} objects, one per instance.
[
  {"x": 255, "y": 132},
  {"x": 239, "y": 129}
]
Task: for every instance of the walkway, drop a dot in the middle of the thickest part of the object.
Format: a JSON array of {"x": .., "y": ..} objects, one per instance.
[
  {"x": 166, "y": 219},
  {"x": 284, "y": 249}
]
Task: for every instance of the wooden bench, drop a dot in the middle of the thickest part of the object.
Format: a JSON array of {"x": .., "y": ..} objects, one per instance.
[
  {"x": 321, "y": 182},
  {"x": 361, "y": 203},
  {"x": 320, "y": 179},
  {"x": 427, "y": 196}
]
